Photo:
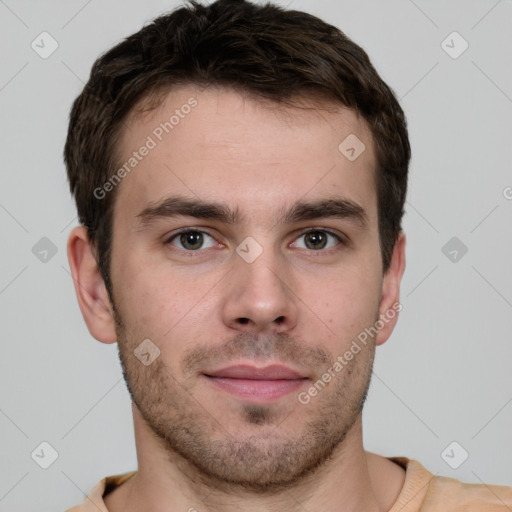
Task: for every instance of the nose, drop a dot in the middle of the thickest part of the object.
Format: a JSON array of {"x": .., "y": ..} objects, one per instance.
[{"x": 260, "y": 296}]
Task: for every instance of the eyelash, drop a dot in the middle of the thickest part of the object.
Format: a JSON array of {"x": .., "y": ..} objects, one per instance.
[{"x": 339, "y": 238}]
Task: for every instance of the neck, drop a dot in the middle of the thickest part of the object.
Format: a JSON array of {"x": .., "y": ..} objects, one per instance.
[{"x": 348, "y": 481}]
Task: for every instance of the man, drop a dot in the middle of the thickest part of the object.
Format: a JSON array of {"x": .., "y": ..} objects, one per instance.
[{"x": 240, "y": 173}]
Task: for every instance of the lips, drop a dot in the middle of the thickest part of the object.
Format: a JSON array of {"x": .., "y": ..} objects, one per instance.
[
  {"x": 256, "y": 385},
  {"x": 273, "y": 372}
]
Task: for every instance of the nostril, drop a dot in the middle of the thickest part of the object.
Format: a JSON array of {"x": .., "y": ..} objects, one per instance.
[{"x": 243, "y": 320}]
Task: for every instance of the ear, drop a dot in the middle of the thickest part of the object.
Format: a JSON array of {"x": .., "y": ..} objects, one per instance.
[
  {"x": 89, "y": 287},
  {"x": 390, "y": 300}
]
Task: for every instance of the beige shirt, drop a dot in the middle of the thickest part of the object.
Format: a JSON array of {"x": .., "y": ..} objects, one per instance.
[{"x": 422, "y": 492}]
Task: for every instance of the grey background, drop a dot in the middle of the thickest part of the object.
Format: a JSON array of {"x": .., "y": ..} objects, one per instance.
[{"x": 443, "y": 376}]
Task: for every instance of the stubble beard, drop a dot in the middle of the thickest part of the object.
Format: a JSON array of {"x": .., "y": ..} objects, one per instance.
[{"x": 222, "y": 456}]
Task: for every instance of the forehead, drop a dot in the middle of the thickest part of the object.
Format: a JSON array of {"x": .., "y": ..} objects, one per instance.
[{"x": 219, "y": 144}]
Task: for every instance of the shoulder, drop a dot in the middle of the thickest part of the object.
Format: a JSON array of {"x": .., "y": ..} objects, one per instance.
[
  {"x": 460, "y": 496},
  {"x": 426, "y": 492},
  {"x": 94, "y": 502}
]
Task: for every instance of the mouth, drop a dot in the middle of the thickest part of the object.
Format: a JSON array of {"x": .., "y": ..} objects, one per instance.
[{"x": 257, "y": 385}]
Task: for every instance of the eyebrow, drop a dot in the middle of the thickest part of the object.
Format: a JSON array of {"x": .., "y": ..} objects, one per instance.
[{"x": 175, "y": 206}]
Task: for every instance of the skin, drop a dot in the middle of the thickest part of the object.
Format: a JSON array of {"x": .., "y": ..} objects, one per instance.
[{"x": 198, "y": 446}]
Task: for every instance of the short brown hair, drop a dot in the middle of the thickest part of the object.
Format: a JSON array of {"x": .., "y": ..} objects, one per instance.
[{"x": 263, "y": 50}]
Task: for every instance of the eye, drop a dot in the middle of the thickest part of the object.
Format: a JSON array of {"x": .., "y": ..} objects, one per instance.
[
  {"x": 191, "y": 240},
  {"x": 317, "y": 239}
]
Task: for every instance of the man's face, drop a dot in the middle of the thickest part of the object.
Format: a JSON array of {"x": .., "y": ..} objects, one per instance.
[{"x": 260, "y": 291}]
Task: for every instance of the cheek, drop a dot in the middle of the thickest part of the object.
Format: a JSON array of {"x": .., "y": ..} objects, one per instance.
[
  {"x": 348, "y": 301},
  {"x": 166, "y": 306},
  {"x": 157, "y": 307}
]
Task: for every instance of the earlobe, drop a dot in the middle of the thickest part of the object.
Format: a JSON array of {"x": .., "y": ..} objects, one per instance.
[
  {"x": 89, "y": 287},
  {"x": 390, "y": 302}
]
